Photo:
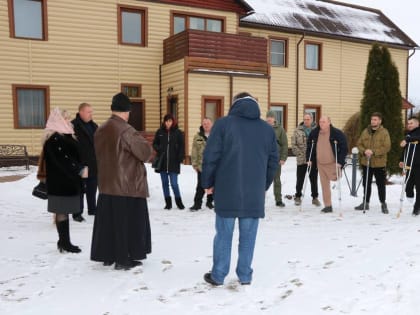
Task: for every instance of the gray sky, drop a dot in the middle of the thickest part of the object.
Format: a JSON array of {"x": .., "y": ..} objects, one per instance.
[{"x": 405, "y": 14}]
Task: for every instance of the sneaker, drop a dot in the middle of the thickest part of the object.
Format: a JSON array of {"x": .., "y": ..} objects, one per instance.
[
  {"x": 280, "y": 204},
  {"x": 384, "y": 208},
  {"x": 362, "y": 206},
  {"x": 316, "y": 202},
  {"x": 209, "y": 279},
  {"x": 416, "y": 212},
  {"x": 327, "y": 209},
  {"x": 298, "y": 201}
]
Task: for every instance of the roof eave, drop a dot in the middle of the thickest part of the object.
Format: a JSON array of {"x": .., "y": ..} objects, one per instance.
[{"x": 410, "y": 45}]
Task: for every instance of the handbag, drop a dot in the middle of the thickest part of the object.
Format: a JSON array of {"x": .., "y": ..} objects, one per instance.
[
  {"x": 40, "y": 191},
  {"x": 157, "y": 163}
]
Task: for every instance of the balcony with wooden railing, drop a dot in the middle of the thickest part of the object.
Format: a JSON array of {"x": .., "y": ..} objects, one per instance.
[{"x": 218, "y": 51}]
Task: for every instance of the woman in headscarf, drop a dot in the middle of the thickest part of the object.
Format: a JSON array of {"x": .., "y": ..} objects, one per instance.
[{"x": 63, "y": 174}]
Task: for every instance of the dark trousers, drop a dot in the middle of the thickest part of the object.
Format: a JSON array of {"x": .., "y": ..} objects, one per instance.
[
  {"x": 380, "y": 177},
  {"x": 414, "y": 179},
  {"x": 300, "y": 178},
  {"x": 90, "y": 187},
  {"x": 409, "y": 186},
  {"x": 199, "y": 192}
]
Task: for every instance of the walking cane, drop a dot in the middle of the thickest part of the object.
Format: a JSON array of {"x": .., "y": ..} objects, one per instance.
[
  {"x": 305, "y": 182},
  {"x": 337, "y": 170},
  {"x": 366, "y": 184},
  {"x": 405, "y": 172}
]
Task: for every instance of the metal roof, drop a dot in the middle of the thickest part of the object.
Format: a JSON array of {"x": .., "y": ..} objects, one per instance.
[{"x": 328, "y": 18}]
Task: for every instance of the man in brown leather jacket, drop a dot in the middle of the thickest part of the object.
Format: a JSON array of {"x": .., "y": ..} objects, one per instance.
[{"x": 121, "y": 231}]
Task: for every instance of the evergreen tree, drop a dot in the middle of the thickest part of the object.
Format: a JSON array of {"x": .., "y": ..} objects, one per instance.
[{"x": 382, "y": 94}]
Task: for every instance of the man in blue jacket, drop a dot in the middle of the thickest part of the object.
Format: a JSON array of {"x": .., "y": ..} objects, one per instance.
[{"x": 239, "y": 164}]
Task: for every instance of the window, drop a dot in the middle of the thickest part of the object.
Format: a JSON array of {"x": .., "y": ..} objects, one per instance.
[
  {"x": 315, "y": 111},
  {"x": 212, "y": 107},
  {"x": 28, "y": 19},
  {"x": 132, "y": 26},
  {"x": 312, "y": 56},
  {"x": 172, "y": 105},
  {"x": 137, "y": 114},
  {"x": 30, "y": 105},
  {"x": 182, "y": 22},
  {"x": 131, "y": 90},
  {"x": 278, "y": 52},
  {"x": 179, "y": 24},
  {"x": 280, "y": 111}
]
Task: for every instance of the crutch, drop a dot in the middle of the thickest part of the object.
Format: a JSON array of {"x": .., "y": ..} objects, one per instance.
[
  {"x": 405, "y": 173},
  {"x": 305, "y": 182},
  {"x": 366, "y": 184},
  {"x": 338, "y": 172}
]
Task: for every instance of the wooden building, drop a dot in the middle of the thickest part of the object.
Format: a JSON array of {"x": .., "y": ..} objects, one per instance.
[{"x": 187, "y": 57}]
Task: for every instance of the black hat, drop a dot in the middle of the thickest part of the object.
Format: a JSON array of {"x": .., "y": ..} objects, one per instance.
[{"x": 120, "y": 103}]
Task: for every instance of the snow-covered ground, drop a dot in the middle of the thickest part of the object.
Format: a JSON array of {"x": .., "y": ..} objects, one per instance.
[{"x": 305, "y": 262}]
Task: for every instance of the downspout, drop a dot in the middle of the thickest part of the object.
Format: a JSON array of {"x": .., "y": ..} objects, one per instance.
[
  {"x": 297, "y": 79},
  {"x": 160, "y": 93},
  {"x": 406, "y": 83}
]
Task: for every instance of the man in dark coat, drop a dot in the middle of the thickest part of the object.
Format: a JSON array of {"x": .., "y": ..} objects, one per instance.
[
  {"x": 240, "y": 161},
  {"x": 121, "y": 231},
  {"x": 411, "y": 157},
  {"x": 328, "y": 154},
  {"x": 84, "y": 129}
]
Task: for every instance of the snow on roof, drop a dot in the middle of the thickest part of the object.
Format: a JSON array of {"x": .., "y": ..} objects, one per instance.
[{"x": 331, "y": 18}]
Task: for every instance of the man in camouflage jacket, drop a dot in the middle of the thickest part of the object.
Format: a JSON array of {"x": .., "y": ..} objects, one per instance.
[
  {"x": 282, "y": 144},
  {"x": 199, "y": 143},
  {"x": 299, "y": 143}
]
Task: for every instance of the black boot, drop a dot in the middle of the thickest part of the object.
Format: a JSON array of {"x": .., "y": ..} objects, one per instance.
[
  {"x": 209, "y": 203},
  {"x": 64, "y": 243},
  {"x": 168, "y": 202},
  {"x": 179, "y": 203},
  {"x": 196, "y": 206}
]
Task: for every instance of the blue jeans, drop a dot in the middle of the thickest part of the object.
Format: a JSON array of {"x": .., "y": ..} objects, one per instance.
[
  {"x": 165, "y": 178},
  {"x": 222, "y": 247}
]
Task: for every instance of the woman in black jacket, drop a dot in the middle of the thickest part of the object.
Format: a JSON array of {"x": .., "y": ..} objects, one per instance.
[
  {"x": 63, "y": 174},
  {"x": 169, "y": 146}
]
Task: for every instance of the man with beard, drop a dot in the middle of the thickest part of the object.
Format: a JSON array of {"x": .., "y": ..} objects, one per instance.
[
  {"x": 374, "y": 144},
  {"x": 121, "y": 231}
]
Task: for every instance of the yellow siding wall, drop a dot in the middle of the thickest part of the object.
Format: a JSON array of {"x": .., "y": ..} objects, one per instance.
[
  {"x": 83, "y": 62},
  {"x": 173, "y": 76},
  {"x": 338, "y": 88},
  {"x": 203, "y": 85},
  {"x": 257, "y": 87}
]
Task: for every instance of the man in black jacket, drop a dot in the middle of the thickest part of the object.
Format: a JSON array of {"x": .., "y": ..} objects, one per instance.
[
  {"x": 412, "y": 163},
  {"x": 84, "y": 128}
]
